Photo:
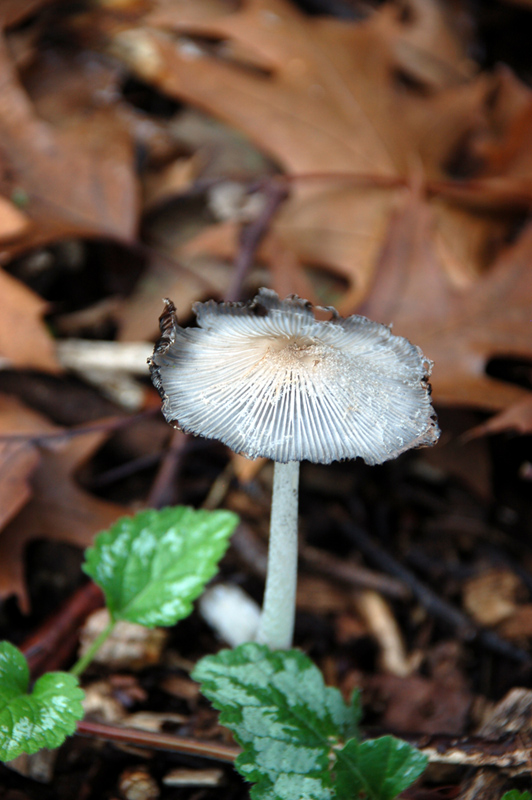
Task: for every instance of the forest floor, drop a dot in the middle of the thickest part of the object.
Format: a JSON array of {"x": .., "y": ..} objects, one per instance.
[{"x": 372, "y": 157}]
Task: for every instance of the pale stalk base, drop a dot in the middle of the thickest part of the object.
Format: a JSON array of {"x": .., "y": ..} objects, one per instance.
[{"x": 276, "y": 626}]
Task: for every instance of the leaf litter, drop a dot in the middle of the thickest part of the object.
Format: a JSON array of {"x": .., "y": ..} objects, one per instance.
[{"x": 148, "y": 135}]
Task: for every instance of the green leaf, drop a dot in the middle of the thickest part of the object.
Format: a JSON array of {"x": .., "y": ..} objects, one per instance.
[
  {"x": 379, "y": 768},
  {"x": 44, "y": 718},
  {"x": 152, "y": 566},
  {"x": 515, "y": 794},
  {"x": 282, "y": 714}
]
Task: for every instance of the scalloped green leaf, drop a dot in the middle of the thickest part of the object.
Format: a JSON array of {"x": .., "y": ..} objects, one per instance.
[
  {"x": 152, "y": 566},
  {"x": 43, "y": 718},
  {"x": 284, "y": 717},
  {"x": 377, "y": 768},
  {"x": 515, "y": 794}
]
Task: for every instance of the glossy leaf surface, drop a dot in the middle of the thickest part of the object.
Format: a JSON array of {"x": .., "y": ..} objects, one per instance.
[
  {"x": 378, "y": 768},
  {"x": 293, "y": 728},
  {"x": 43, "y": 718},
  {"x": 152, "y": 566}
]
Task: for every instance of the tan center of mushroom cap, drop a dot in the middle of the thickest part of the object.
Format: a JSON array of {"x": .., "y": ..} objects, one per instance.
[{"x": 283, "y": 385}]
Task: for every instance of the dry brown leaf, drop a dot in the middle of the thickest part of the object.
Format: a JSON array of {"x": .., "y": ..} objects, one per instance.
[
  {"x": 492, "y": 596},
  {"x": 18, "y": 457},
  {"x": 519, "y": 624},
  {"x": 17, "y": 463},
  {"x": 130, "y": 646},
  {"x": 421, "y": 705},
  {"x": 460, "y": 330},
  {"x": 517, "y": 417},
  {"x": 331, "y": 97},
  {"x": 221, "y": 241},
  {"x": 13, "y": 222},
  {"x": 59, "y": 509},
  {"x": 13, "y": 12},
  {"x": 78, "y": 178},
  {"x": 24, "y": 339}
]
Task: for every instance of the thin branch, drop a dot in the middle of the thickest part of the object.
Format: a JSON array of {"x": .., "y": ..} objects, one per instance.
[
  {"x": 275, "y": 192},
  {"x": 464, "y": 627},
  {"x": 110, "y": 425},
  {"x": 474, "y": 751},
  {"x": 158, "y": 741},
  {"x": 51, "y": 645},
  {"x": 163, "y": 489}
]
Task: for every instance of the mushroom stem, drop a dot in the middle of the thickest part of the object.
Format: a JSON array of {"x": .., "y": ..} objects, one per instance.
[{"x": 276, "y": 625}]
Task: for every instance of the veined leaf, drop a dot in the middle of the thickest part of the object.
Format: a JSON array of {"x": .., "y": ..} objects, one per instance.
[
  {"x": 152, "y": 566},
  {"x": 292, "y": 729},
  {"x": 378, "y": 768},
  {"x": 44, "y": 718},
  {"x": 515, "y": 794},
  {"x": 284, "y": 717}
]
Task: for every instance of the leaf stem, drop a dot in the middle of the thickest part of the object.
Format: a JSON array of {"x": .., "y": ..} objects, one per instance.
[{"x": 83, "y": 662}]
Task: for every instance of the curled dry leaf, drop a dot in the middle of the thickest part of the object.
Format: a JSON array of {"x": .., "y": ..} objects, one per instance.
[{"x": 129, "y": 646}]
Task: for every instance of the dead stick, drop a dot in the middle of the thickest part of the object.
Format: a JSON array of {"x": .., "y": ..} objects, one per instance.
[
  {"x": 465, "y": 627},
  {"x": 158, "y": 741},
  {"x": 107, "y": 425},
  {"x": 163, "y": 489},
  {"x": 275, "y": 193},
  {"x": 474, "y": 751},
  {"x": 54, "y": 642}
]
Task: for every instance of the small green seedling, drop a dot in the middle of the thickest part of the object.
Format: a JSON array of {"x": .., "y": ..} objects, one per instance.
[
  {"x": 299, "y": 738},
  {"x": 151, "y": 567},
  {"x": 42, "y": 718}
]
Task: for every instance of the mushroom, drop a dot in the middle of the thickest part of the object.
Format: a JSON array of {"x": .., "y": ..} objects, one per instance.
[{"x": 267, "y": 378}]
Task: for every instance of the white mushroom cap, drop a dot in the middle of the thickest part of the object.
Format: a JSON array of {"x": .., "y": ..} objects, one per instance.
[{"x": 268, "y": 379}]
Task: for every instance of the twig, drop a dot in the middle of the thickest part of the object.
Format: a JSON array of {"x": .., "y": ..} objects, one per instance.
[
  {"x": 51, "y": 645},
  {"x": 159, "y": 741},
  {"x": 163, "y": 489},
  {"x": 353, "y": 574},
  {"x": 275, "y": 192},
  {"x": 255, "y": 555},
  {"x": 125, "y": 470},
  {"x": 474, "y": 751},
  {"x": 113, "y": 424},
  {"x": 435, "y": 605}
]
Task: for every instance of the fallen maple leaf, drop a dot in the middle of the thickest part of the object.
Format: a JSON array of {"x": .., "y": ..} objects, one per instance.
[
  {"x": 13, "y": 222},
  {"x": 58, "y": 509},
  {"x": 13, "y": 12},
  {"x": 17, "y": 463},
  {"x": 459, "y": 329},
  {"x": 76, "y": 180},
  {"x": 517, "y": 417},
  {"x": 24, "y": 339},
  {"x": 19, "y": 457},
  {"x": 322, "y": 96}
]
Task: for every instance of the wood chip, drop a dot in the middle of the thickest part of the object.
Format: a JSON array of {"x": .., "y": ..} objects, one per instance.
[{"x": 193, "y": 777}]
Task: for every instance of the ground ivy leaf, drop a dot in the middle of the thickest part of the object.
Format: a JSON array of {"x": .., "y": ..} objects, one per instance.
[
  {"x": 515, "y": 794},
  {"x": 152, "y": 566},
  {"x": 282, "y": 714},
  {"x": 44, "y": 718},
  {"x": 379, "y": 768}
]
